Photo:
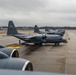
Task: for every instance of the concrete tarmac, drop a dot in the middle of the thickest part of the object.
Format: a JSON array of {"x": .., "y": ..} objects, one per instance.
[{"x": 49, "y": 58}]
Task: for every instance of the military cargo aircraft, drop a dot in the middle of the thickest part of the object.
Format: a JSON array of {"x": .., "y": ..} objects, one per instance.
[
  {"x": 55, "y": 31},
  {"x": 52, "y": 32},
  {"x": 9, "y": 59},
  {"x": 36, "y": 39}
]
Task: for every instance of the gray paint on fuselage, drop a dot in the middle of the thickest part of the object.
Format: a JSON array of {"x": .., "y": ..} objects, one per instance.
[{"x": 16, "y": 72}]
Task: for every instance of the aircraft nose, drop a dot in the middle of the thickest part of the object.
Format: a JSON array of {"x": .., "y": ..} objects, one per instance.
[{"x": 65, "y": 41}]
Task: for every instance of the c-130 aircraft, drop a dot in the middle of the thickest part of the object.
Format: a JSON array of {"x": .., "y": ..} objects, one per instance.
[
  {"x": 47, "y": 31},
  {"x": 37, "y": 39}
]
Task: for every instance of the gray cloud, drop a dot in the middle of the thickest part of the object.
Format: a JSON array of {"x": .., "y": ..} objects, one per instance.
[{"x": 41, "y": 12}]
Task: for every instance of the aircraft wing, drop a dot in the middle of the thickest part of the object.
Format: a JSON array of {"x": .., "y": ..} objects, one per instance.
[{"x": 16, "y": 72}]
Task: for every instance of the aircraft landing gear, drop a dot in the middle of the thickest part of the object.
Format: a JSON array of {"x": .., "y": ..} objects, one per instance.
[
  {"x": 37, "y": 43},
  {"x": 56, "y": 44},
  {"x": 40, "y": 44}
]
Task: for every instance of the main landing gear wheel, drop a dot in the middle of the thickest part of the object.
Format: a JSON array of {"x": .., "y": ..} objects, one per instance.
[
  {"x": 56, "y": 44},
  {"x": 37, "y": 43}
]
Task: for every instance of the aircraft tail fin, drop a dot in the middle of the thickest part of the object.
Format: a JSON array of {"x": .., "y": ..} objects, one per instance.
[
  {"x": 36, "y": 29},
  {"x": 11, "y": 28},
  {"x": 46, "y": 29}
]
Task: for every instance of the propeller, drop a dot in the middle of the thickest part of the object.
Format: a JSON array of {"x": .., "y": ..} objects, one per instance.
[{"x": 44, "y": 36}]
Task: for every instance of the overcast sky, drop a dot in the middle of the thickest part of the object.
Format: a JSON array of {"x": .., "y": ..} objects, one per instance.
[{"x": 40, "y": 12}]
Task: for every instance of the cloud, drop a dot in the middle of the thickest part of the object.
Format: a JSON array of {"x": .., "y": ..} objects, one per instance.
[{"x": 41, "y": 12}]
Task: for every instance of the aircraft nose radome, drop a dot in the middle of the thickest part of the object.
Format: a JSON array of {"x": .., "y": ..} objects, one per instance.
[{"x": 65, "y": 41}]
